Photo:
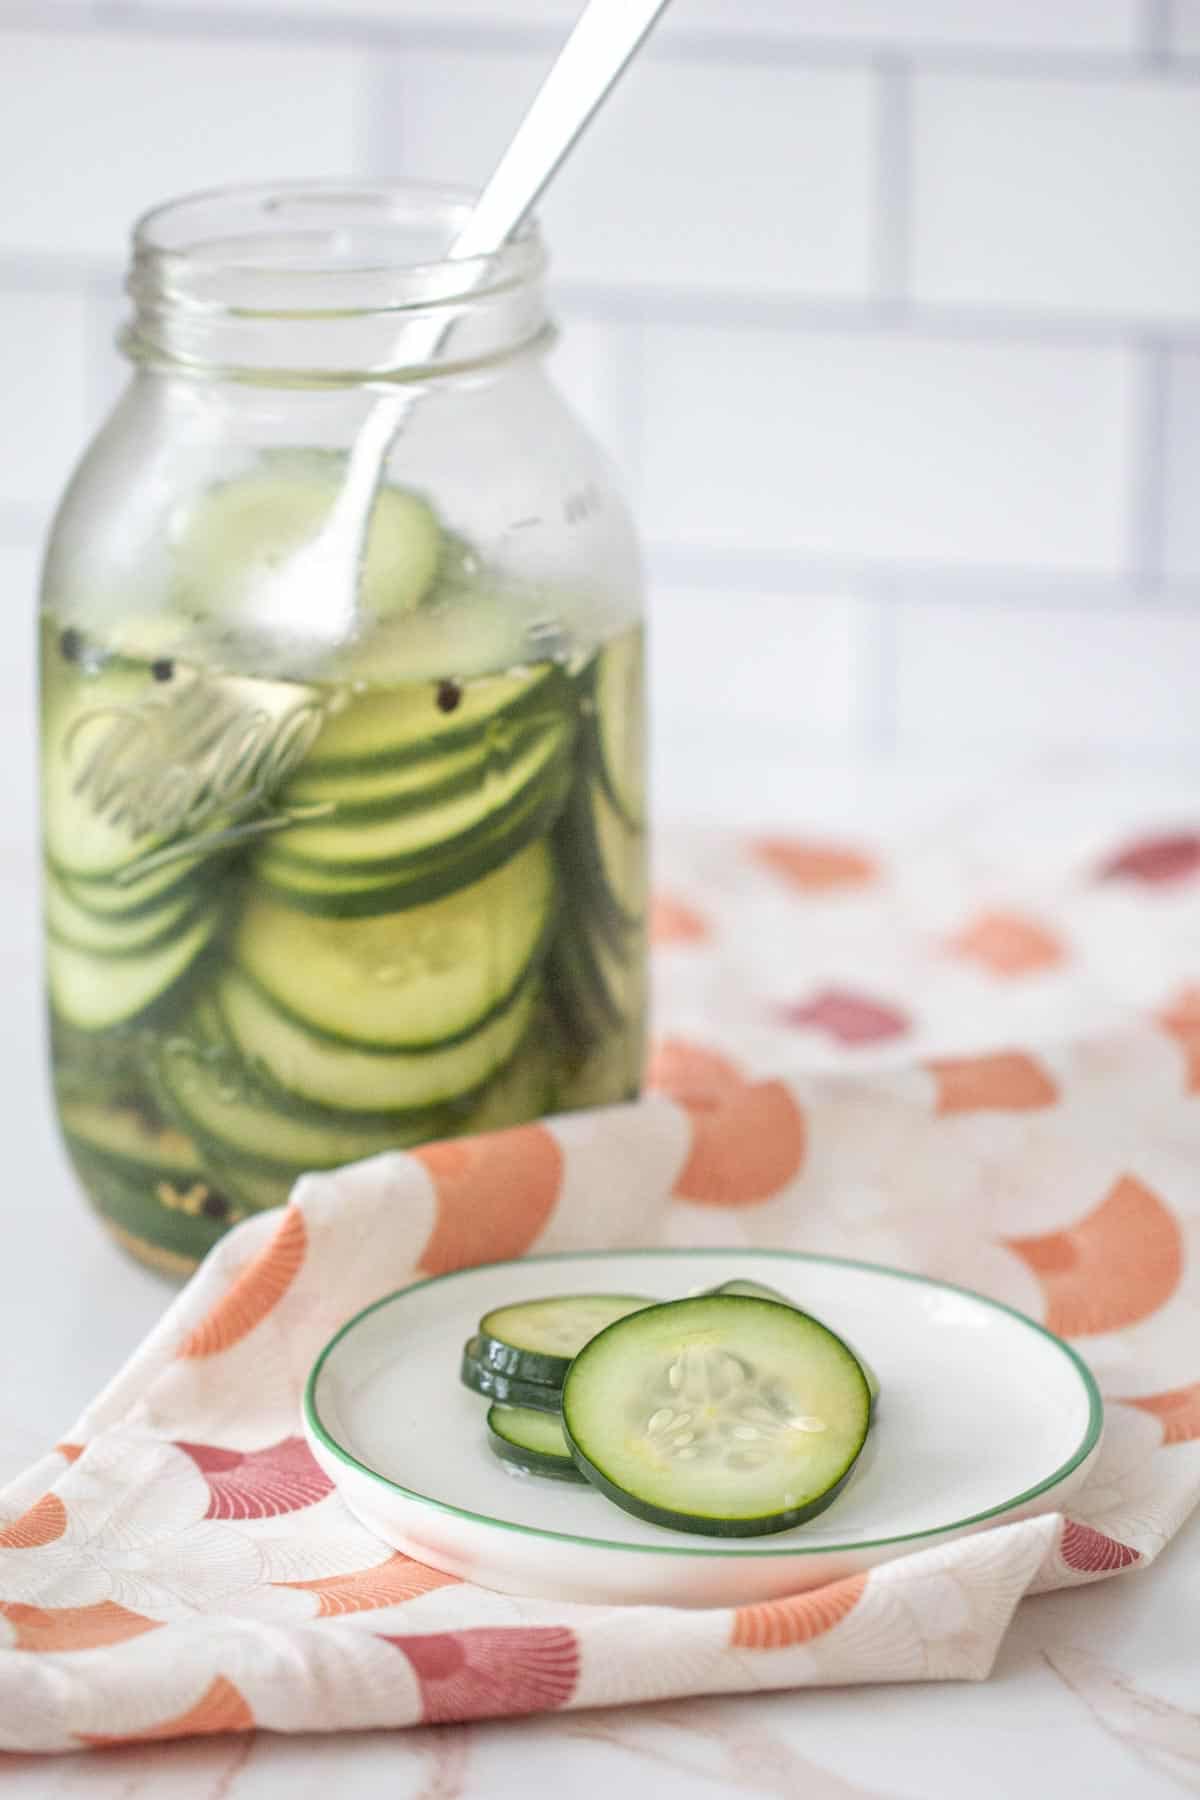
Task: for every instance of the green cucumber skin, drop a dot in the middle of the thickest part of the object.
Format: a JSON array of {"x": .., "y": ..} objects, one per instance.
[
  {"x": 339, "y": 1041},
  {"x": 585, "y": 875},
  {"x": 157, "y": 1004},
  {"x": 530, "y": 1462},
  {"x": 761, "y": 1291},
  {"x": 551, "y": 691},
  {"x": 499, "y": 1357},
  {"x": 701, "y": 1524},
  {"x": 509, "y": 1389},
  {"x": 527, "y": 1459},
  {"x": 175, "y": 927},
  {"x": 351, "y": 811},
  {"x": 129, "y": 1201},
  {"x": 694, "y": 1523},
  {"x": 433, "y": 881}
]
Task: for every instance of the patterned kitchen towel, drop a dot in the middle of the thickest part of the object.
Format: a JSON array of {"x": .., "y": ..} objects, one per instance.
[{"x": 924, "y": 1060}]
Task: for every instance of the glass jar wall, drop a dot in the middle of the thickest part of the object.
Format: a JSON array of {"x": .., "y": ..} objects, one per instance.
[{"x": 341, "y": 854}]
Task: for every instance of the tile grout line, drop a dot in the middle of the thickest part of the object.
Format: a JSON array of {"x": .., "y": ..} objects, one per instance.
[
  {"x": 892, "y": 185},
  {"x": 747, "y": 49},
  {"x": 36, "y": 270},
  {"x": 988, "y": 586},
  {"x": 1155, "y": 33},
  {"x": 877, "y": 721},
  {"x": 1148, "y": 496}
]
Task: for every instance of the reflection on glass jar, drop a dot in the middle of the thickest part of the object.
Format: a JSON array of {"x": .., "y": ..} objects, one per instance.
[{"x": 325, "y": 880}]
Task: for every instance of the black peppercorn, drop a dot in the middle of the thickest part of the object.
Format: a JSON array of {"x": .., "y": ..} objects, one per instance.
[
  {"x": 70, "y": 644},
  {"x": 448, "y": 695},
  {"x": 163, "y": 669}
]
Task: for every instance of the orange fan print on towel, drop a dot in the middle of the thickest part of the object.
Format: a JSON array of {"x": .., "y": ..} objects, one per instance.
[
  {"x": 852, "y": 1020},
  {"x": 1155, "y": 861},
  {"x": 57, "y": 1628},
  {"x": 1092, "y": 1552},
  {"x": 492, "y": 1672},
  {"x": 672, "y": 921},
  {"x": 1181, "y": 1020},
  {"x": 44, "y": 1523},
  {"x": 1114, "y": 1268},
  {"x": 495, "y": 1194},
  {"x": 389, "y": 1583},
  {"x": 1178, "y": 1410},
  {"x": 812, "y": 867},
  {"x": 257, "y": 1290},
  {"x": 798, "y": 1619},
  {"x": 259, "y": 1484},
  {"x": 220, "y": 1708},
  {"x": 1009, "y": 945},
  {"x": 748, "y": 1137},
  {"x": 1008, "y": 1081}
]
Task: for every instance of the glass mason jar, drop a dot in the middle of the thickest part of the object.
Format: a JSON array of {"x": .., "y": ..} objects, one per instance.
[{"x": 333, "y": 866}]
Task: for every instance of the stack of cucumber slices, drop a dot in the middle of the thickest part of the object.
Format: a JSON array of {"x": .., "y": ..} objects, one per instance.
[
  {"x": 732, "y": 1413},
  {"x": 295, "y": 920}
]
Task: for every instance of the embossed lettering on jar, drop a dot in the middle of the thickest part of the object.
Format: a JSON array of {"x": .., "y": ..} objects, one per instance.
[{"x": 333, "y": 868}]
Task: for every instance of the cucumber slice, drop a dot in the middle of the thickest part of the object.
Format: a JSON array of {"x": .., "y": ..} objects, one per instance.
[
  {"x": 603, "y": 861},
  {"x": 532, "y": 1442},
  {"x": 256, "y": 1189},
  {"x": 724, "y": 1414},
  {"x": 132, "y": 1202},
  {"x": 124, "y": 1135},
  {"x": 229, "y": 546},
  {"x": 406, "y": 981},
  {"x": 523, "y": 1089},
  {"x": 536, "y": 1339},
  {"x": 333, "y": 791},
  {"x": 116, "y": 934},
  {"x": 94, "y": 992},
  {"x": 620, "y": 714},
  {"x": 127, "y": 899},
  {"x": 351, "y": 1079},
  {"x": 90, "y": 735},
  {"x": 389, "y": 728},
  {"x": 346, "y": 894},
  {"x": 541, "y": 1396},
  {"x": 760, "y": 1291},
  {"x": 382, "y": 836},
  {"x": 218, "y": 1103}
]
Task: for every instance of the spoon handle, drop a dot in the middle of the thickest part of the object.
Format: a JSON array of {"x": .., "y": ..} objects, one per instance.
[{"x": 607, "y": 35}]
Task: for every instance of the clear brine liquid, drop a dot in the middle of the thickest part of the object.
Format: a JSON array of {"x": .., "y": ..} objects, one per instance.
[{"x": 291, "y": 924}]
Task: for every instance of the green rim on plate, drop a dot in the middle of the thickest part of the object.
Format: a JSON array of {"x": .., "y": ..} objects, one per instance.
[{"x": 1087, "y": 1444}]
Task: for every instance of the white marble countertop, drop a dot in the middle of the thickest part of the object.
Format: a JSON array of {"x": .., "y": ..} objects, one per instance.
[{"x": 1095, "y": 1690}]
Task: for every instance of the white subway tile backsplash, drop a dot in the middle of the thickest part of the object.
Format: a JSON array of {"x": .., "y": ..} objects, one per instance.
[
  {"x": 879, "y": 445},
  {"x": 1073, "y": 25},
  {"x": 1184, "y": 27},
  {"x": 595, "y": 365},
  {"x": 97, "y": 126},
  {"x": 747, "y": 188},
  {"x": 348, "y": 13},
  {"x": 108, "y": 371},
  {"x": 1079, "y": 25},
  {"x": 655, "y": 196},
  {"x": 19, "y": 564},
  {"x": 1057, "y": 194},
  {"x": 1181, "y": 508},
  {"x": 1042, "y": 678},
  {"x": 43, "y": 379},
  {"x": 725, "y": 661}
]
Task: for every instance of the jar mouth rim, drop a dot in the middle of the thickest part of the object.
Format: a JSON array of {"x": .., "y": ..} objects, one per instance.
[{"x": 323, "y": 245}]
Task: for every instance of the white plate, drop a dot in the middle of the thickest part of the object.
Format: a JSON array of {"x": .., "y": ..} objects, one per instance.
[{"x": 984, "y": 1417}]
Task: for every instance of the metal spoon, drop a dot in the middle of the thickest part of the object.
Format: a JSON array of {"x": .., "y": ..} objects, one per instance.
[{"x": 317, "y": 585}]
